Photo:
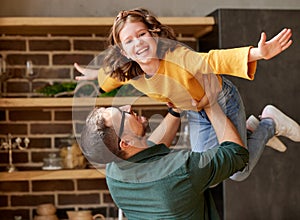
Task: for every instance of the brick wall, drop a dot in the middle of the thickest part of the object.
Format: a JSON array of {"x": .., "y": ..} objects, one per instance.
[
  {"x": 20, "y": 198},
  {"x": 52, "y": 58},
  {"x": 46, "y": 128}
]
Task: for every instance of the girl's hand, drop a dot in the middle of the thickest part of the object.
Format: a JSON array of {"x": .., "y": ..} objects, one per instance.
[
  {"x": 269, "y": 49},
  {"x": 88, "y": 74}
]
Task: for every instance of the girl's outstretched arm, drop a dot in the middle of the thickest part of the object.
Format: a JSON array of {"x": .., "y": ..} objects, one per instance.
[{"x": 269, "y": 49}]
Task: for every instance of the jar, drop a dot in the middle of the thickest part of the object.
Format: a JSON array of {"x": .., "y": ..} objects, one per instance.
[
  {"x": 52, "y": 162},
  {"x": 72, "y": 157}
]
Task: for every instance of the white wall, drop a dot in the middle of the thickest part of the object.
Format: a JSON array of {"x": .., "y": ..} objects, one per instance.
[{"x": 81, "y": 8}]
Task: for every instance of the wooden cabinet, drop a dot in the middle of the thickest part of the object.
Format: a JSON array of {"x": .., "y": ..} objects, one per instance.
[
  {"x": 53, "y": 175},
  {"x": 9, "y": 103},
  {"x": 190, "y": 26}
]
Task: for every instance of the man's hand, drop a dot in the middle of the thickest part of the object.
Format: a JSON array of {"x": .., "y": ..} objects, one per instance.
[
  {"x": 269, "y": 49},
  {"x": 88, "y": 74},
  {"x": 212, "y": 88}
]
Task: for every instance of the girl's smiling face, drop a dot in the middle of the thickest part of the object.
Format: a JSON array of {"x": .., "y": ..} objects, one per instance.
[{"x": 137, "y": 42}]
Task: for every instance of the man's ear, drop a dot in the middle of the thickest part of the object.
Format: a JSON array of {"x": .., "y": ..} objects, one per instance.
[{"x": 124, "y": 144}]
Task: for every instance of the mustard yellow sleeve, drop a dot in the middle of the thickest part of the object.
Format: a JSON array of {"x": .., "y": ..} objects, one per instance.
[
  {"x": 107, "y": 83},
  {"x": 232, "y": 62}
]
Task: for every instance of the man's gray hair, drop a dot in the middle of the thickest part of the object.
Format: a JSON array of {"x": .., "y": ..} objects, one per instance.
[{"x": 99, "y": 143}]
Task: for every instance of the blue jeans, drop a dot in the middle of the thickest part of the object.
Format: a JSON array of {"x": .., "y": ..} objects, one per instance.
[
  {"x": 203, "y": 136},
  {"x": 256, "y": 145}
]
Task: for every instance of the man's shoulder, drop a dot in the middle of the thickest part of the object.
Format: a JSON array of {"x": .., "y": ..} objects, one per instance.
[{"x": 155, "y": 167}]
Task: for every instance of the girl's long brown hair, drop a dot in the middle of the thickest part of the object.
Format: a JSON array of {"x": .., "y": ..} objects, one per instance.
[{"x": 116, "y": 64}]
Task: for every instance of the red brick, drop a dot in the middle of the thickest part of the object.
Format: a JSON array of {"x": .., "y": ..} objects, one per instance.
[
  {"x": 14, "y": 186},
  {"x": 53, "y": 73},
  {"x": 20, "y": 156},
  {"x": 31, "y": 200},
  {"x": 9, "y": 214},
  {"x": 93, "y": 184},
  {"x": 12, "y": 45},
  {"x": 17, "y": 87},
  {"x": 62, "y": 115},
  {"x": 40, "y": 143},
  {"x": 4, "y": 157},
  {"x": 80, "y": 115},
  {"x": 50, "y": 128},
  {"x": 20, "y": 59},
  {"x": 17, "y": 157},
  {"x": 3, "y": 200},
  {"x": 72, "y": 199},
  {"x": 30, "y": 115},
  {"x": 15, "y": 72},
  {"x": 107, "y": 198},
  {"x": 15, "y": 129},
  {"x": 90, "y": 45},
  {"x": 49, "y": 45},
  {"x": 2, "y": 115},
  {"x": 70, "y": 59},
  {"x": 53, "y": 185}
]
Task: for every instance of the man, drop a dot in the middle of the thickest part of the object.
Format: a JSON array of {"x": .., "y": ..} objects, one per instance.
[{"x": 147, "y": 180}]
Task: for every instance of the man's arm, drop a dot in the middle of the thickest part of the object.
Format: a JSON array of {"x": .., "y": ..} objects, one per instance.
[
  {"x": 223, "y": 127},
  {"x": 217, "y": 164},
  {"x": 167, "y": 129}
]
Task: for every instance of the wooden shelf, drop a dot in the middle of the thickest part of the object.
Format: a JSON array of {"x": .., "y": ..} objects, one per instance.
[
  {"x": 53, "y": 175},
  {"x": 191, "y": 26},
  {"x": 8, "y": 103}
]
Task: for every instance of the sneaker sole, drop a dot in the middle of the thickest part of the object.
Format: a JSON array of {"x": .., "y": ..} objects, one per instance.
[
  {"x": 274, "y": 142},
  {"x": 271, "y": 111}
]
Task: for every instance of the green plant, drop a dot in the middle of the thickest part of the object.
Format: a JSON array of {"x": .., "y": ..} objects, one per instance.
[
  {"x": 51, "y": 90},
  {"x": 67, "y": 88}
]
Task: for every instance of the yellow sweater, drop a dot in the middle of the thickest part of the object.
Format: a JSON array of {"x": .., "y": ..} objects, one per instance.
[{"x": 179, "y": 76}]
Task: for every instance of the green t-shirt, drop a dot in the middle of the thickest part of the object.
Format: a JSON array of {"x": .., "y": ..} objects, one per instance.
[{"x": 161, "y": 183}]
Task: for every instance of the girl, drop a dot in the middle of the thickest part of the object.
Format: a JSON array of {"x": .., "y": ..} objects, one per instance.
[{"x": 143, "y": 52}]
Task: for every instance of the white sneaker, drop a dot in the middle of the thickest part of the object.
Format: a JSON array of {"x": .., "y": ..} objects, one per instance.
[
  {"x": 285, "y": 126},
  {"x": 274, "y": 142}
]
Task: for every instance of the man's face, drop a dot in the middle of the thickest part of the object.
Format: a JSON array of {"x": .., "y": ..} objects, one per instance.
[{"x": 132, "y": 122}]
